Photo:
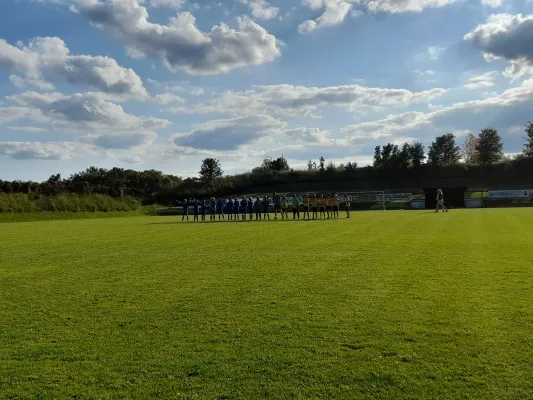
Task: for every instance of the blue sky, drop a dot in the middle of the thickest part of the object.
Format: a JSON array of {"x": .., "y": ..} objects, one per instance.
[{"x": 165, "y": 83}]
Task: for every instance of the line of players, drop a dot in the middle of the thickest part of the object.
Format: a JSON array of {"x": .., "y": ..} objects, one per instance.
[{"x": 312, "y": 206}]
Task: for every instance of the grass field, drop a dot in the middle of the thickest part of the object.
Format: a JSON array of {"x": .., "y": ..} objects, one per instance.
[{"x": 385, "y": 305}]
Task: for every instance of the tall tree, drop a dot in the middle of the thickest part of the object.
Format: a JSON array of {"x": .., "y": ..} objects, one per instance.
[
  {"x": 378, "y": 162},
  {"x": 417, "y": 153},
  {"x": 280, "y": 164},
  {"x": 469, "y": 149},
  {"x": 210, "y": 170},
  {"x": 309, "y": 165},
  {"x": 528, "y": 148},
  {"x": 489, "y": 146},
  {"x": 321, "y": 167},
  {"x": 404, "y": 158},
  {"x": 444, "y": 150}
]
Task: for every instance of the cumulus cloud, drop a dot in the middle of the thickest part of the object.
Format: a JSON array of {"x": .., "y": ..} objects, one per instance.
[
  {"x": 501, "y": 111},
  {"x": 105, "y": 124},
  {"x": 492, "y": 3},
  {"x": 483, "y": 81},
  {"x": 261, "y": 9},
  {"x": 47, "y": 60},
  {"x": 180, "y": 45},
  {"x": 166, "y": 98},
  {"x": 335, "y": 12},
  {"x": 405, "y": 6},
  {"x": 229, "y": 134},
  {"x": 508, "y": 37},
  {"x": 176, "y": 4},
  {"x": 82, "y": 111},
  {"x": 291, "y": 100},
  {"x": 119, "y": 141},
  {"x": 44, "y": 151}
]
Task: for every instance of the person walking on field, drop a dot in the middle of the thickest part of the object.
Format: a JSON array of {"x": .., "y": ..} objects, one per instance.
[{"x": 440, "y": 201}]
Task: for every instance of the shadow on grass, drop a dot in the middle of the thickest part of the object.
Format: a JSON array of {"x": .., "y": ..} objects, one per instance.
[{"x": 247, "y": 221}]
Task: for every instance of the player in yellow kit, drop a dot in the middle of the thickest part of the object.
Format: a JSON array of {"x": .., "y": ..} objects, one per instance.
[
  {"x": 328, "y": 203},
  {"x": 314, "y": 204},
  {"x": 322, "y": 206},
  {"x": 307, "y": 205},
  {"x": 336, "y": 206}
]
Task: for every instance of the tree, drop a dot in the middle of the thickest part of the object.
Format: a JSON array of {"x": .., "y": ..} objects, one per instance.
[
  {"x": 489, "y": 146},
  {"x": 444, "y": 150},
  {"x": 350, "y": 166},
  {"x": 416, "y": 151},
  {"x": 404, "y": 158},
  {"x": 322, "y": 161},
  {"x": 310, "y": 165},
  {"x": 378, "y": 162},
  {"x": 280, "y": 164},
  {"x": 528, "y": 148},
  {"x": 210, "y": 170},
  {"x": 331, "y": 167},
  {"x": 469, "y": 150}
]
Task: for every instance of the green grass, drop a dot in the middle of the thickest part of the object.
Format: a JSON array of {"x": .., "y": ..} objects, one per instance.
[
  {"x": 64, "y": 215},
  {"x": 385, "y": 305}
]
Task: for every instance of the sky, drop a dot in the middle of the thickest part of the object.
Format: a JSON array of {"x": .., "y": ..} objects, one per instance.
[{"x": 163, "y": 84}]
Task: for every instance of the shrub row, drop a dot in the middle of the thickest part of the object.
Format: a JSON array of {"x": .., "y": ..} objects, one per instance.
[{"x": 20, "y": 202}]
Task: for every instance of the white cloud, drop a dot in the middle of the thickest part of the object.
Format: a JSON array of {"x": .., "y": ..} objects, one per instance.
[
  {"x": 47, "y": 60},
  {"x": 229, "y": 134},
  {"x": 32, "y": 129},
  {"x": 335, "y": 12},
  {"x": 501, "y": 110},
  {"x": 44, "y": 151},
  {"x": 405, "y": 6},
  {"x": 180, "y": 45},
  {"x": 261, "y": 9},
  {"x": 291, "y": 100},
  {"x": 483, "y": 81},
  {"x": 197, "y": 91},
  {"x": 492, "y": 3},
  {"x": 176, "y": 4},
  {"x": 103, "y": 123},
  {"x": 166, "y": 98},
  {"x": 506, "y": 37},
  {"x": 434, "y": 52}
]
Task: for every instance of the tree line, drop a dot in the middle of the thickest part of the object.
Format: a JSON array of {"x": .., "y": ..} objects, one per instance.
[{"x": 408, "y": 162}]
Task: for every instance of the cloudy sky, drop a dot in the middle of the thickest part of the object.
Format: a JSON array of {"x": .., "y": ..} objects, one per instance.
[{"x": 165, "y": 83}]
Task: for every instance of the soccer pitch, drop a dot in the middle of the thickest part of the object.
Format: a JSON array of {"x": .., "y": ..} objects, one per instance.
[{"x": 384, "y": 305}]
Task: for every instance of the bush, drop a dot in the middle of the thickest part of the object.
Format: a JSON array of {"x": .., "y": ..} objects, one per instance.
[{"x": 20, "y": 203}]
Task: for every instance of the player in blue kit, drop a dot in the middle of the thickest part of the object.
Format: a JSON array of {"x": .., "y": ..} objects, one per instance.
[
  {"x": 251, "y": 208},
  {"x": 228, "y": 209},
  {"x": 185, "y": 207},
  {"x": 204, "y": 210},
  {"x": 266, "y": 208},
  {"x": 213, "y": 209},
  {"x": 257, "y": 209},
  {"x": 220, "y": 209},
  {"x": 196, "y": 208},
  {"x": 244, "y": 203},
  {"x": 235, "y": 209}
]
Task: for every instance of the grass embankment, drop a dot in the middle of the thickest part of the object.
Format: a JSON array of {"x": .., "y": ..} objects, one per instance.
[{"x": 385, "y": 305}]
